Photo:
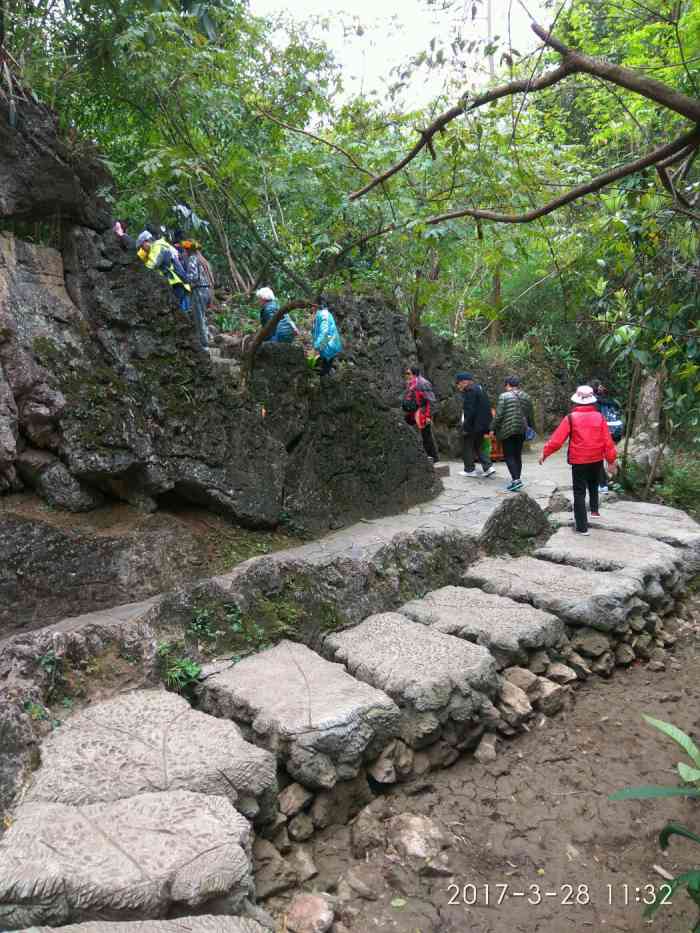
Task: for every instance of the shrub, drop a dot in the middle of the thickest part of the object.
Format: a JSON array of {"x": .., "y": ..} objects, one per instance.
[{"x": 681, "y": 483}]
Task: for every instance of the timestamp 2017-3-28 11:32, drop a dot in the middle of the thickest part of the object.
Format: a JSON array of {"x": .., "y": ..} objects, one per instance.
[{"x": 568, "y": 895}]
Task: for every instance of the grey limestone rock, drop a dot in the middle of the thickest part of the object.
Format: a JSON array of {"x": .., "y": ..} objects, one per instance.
[
  {"x": 199, "y": 924},
  {"x": 433, "y": 677},
  {"x": 611, "y": 550},
  {"x": 650, "y": 520},
  {"x": 321, "y": 722},
  {"x": 508, "y": 629},
  {"x": 139, "y": 857},
  {"x": 152, "y": 740},
  {"x": 49, "y": 476},
  {"x": 580, "y": 597}
]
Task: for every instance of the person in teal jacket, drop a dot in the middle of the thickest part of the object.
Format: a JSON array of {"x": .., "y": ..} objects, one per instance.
[
  {"x": 286, "y": 329},
  {"x": 325, "y": 336}
]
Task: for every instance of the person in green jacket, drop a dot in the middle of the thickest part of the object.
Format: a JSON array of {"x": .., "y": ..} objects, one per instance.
[{"x": 514, "y": 415}]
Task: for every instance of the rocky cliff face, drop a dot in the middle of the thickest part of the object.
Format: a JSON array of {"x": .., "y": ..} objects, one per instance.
[{"x": 103, "y": 393}]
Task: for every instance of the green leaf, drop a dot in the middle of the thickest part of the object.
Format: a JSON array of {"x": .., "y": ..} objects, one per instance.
[
  {"x": 649, "y": 791},
  {"x": 688, "y": 774},
  {"x": 398, "y": 902},
  {"x": 678, "y": 736},
  {"x": 689, "y": 878},
  {"x": 676, "y": 829}
]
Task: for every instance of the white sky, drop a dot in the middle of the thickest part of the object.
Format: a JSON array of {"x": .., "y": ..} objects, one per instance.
[{"x": 394, "y": 30}]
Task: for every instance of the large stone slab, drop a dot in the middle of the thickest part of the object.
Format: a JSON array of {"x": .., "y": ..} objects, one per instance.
[
  {"x": 203, "y": 924},
  {"x": 433, "y": 677},
  {"x": 509, "y": 630},
  {"x": 321, "y": 722},
  {"x": 648, "y": 520},
  {"x": 140, "y": 857},
  {"x": 581, "y": 597},
  {"x": 613, "y": 550},
  {"x": 152, "y": 740}
]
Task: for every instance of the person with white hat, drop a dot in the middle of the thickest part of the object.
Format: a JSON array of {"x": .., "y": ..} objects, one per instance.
[{"x": 590, "y": 443}]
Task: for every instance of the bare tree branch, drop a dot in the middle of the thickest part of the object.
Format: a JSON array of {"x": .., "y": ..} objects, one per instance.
[
  {"x": 573, "y": 62},
  {"x": 440, "y": 122},
  {"x": 652, "y": 158}
]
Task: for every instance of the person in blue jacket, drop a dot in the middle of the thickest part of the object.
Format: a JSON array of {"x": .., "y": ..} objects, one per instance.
[
  {"x": 325, "y": 336},
  {"x": 286, "y": 329}
]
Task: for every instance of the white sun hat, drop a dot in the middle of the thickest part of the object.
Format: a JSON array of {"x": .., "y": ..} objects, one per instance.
[{"x": 584, "y": 395}]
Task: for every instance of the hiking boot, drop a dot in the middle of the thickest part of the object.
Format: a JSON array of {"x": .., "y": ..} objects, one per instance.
[
  {"x": 595, "y": 514},
  {"x": 491, "y": 470},
  {"x": 582, "y": 532},
  {"x": 603, "y": 489},
  {"x": 468, "y": 473}
]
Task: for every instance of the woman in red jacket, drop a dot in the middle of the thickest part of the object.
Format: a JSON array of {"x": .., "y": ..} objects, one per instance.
[{"x": 590, "y": 444}]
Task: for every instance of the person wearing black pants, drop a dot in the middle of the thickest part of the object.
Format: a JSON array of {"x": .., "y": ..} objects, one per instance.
[
  {"x": 590, "y": 444},
  {"x": 514, "y": 414},
  {"x": 513, "y": 456},
  {"x": 585, "y": 476}
]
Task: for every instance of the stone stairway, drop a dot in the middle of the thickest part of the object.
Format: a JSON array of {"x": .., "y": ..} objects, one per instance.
[{"x": 142, "y": 807}]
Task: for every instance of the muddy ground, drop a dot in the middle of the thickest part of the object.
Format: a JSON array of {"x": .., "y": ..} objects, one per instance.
[{"x": 538, "y": 821}]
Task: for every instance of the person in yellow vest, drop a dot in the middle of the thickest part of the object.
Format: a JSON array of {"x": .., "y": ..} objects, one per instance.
[{"x": 161, "y": 256}]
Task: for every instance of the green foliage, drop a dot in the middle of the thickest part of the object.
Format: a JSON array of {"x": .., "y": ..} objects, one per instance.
[
  {"x": 180, "y": 673},
  {"x": 681, "y": 483},
  {"x": 687, "y": 774},
  {"x": 689, "y": 880}
]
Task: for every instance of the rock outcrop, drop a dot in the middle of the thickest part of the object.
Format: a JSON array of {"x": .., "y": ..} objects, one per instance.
[{"x": 102, "y": 391}]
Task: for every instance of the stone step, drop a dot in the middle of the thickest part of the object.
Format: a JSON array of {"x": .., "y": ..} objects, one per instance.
[
  {"x": 225, "y": 362},
  {"x": 321, "y": 722},
  {"x": 136, "y": 857},
  {"x": 439, "y": 682},
  {"x": 647, "y": 520},
  {"x": 150, "y": 740},
  {"x": 602, "y": 600},
  {"x": 215, "y": 352},
  {"x": 508, "y": 629},
  {"x": 202, "y": 924},
  {"x": 613, "y": 550}
]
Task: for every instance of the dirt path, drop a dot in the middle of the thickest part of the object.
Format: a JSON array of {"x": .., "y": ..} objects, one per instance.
[{"x": 538, "y": 820}]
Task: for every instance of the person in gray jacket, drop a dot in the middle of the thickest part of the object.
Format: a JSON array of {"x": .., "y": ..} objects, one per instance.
[{"x": 514, "y": 415}]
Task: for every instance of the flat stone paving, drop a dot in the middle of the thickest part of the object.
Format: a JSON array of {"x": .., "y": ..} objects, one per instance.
[
  {"x": 136, "y": 857},
  {"x": 321, "y": 722},
  {"x": 646, "y": 520},
  {"x": 432, "y": 676},
  {"x": 151, "y": 740},
  {"x": 204, "y": 924},
  {"x": 581, "y": 597},
  {"x": 508, "y": 629},
  {"x": 612, "y": 550}
]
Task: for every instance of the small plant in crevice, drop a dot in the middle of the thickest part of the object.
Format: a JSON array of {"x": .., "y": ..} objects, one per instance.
[
  {"x": 179, "y": 672},
  {"x": 202, "y": 626},
  {"x": 53, "y": 668},
  {"x": 690, "y": 774}
]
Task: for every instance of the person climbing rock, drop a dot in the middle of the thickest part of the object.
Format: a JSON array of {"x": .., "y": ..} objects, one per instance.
[
  {"x": 199, "y": 283},
  {"x": 286, "y": 329},
  {"x": 159, "y": 255},
  {"x": 476, "y": 424},
  {"x": 514, "y": 415},
  {"x": 590, "y": 443},
  {"x": 416, "y": 403},
  {"x": 325, "y": 337}
]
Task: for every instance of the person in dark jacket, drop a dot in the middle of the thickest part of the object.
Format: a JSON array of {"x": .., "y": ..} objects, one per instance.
[
  {"x": 514, "y": 415},
  {"x": 476, "y": 424},
  {"x": 286, "y": 329},
  {"x": 590, "y": 443},
  {"x": 416, "y": 404}
]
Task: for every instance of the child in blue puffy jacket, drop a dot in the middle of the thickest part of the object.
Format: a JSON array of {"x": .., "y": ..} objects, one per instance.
[{"x": 325, "y": 337}]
